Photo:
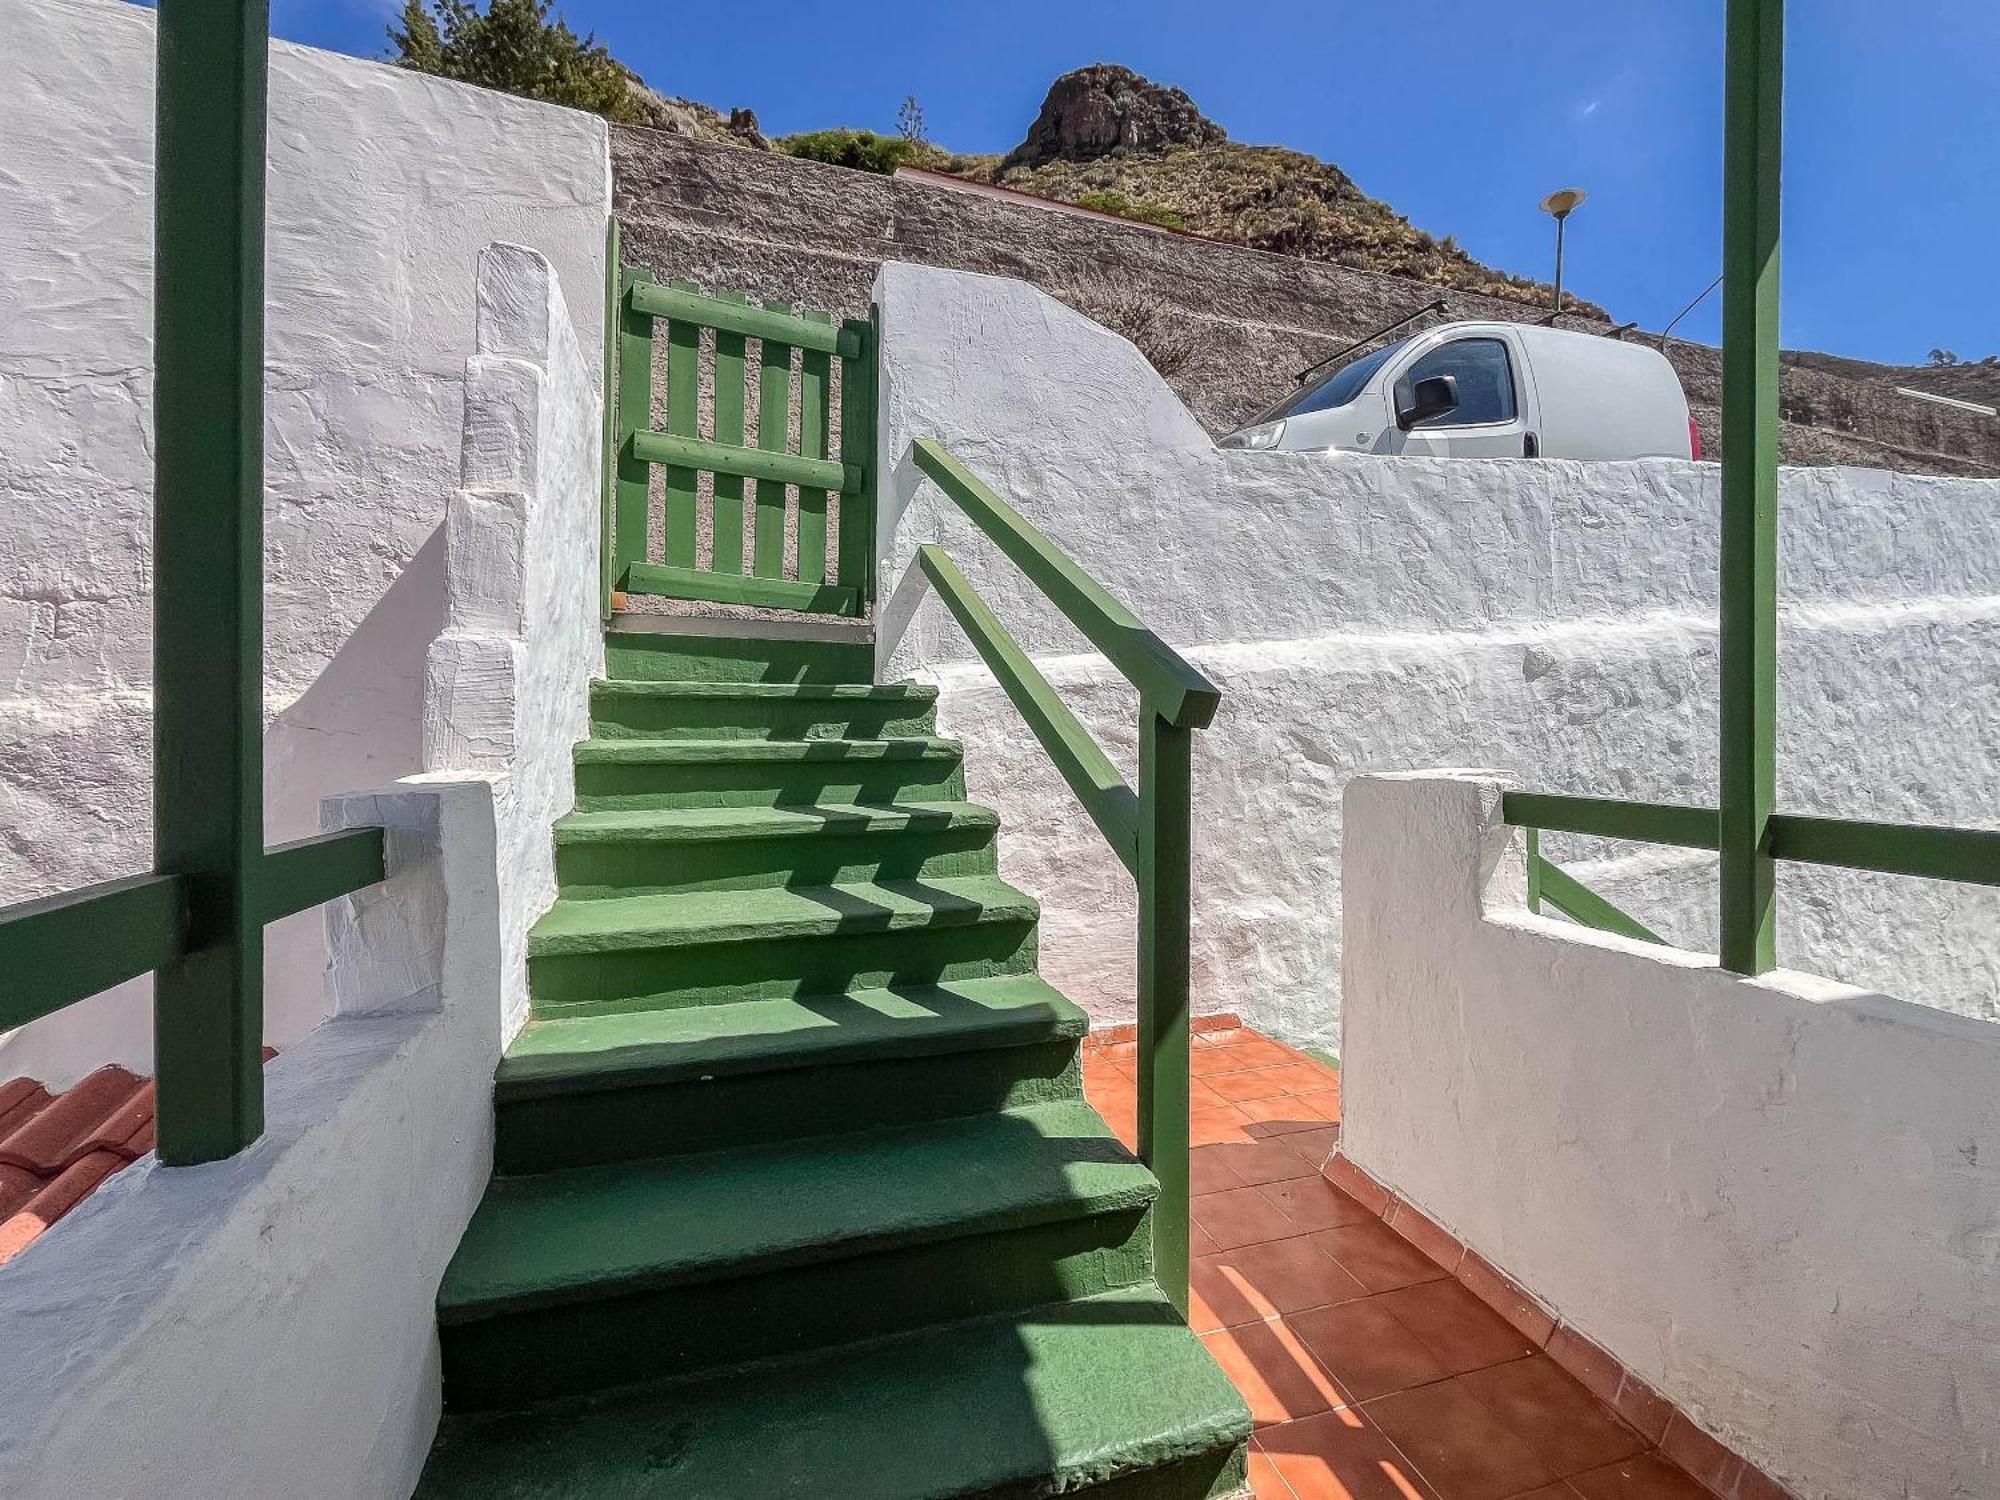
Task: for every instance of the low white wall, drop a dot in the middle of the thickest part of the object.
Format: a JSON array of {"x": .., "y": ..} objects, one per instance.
[
  {"x": 383, "y": 187},
  {"x": 265, "y": 1325},
  {"x": 1775, "y": 1200},
  {"x": 1552, "y": 618}
]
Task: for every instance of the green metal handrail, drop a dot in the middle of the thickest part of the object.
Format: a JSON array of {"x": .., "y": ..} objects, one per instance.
[
  {"x": 1149, "y": 830},
  {"x": 197, "y": 921},
  {"x": 1746, "y": 828}
]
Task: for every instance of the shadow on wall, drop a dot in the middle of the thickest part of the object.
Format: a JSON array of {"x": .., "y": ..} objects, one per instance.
[{"x": 359, "y": 725}]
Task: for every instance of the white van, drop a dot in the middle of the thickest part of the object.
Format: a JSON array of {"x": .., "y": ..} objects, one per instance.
[{"x": 1489, "y": 390}]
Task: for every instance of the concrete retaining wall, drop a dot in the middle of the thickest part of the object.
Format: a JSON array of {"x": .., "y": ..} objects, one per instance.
[{"x": 1773, "y": 1200}]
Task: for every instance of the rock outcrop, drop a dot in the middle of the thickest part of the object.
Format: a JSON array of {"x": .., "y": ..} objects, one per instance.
[{"x": 1105, "y": 108}]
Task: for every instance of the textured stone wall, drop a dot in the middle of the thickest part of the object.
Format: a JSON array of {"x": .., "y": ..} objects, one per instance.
[
  {"x": 1229, "y": 327},
  {"x": 383, "y": 189}
]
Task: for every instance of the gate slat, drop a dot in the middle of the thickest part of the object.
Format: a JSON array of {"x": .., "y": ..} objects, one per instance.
[
  {"x": 815, "y": 399},
  {"x": 683, "y": 402},
  {"x": 727, "y": 506},
  {"x": 774, "y": 400}
]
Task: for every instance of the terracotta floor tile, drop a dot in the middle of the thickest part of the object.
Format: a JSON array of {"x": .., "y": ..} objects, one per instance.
[
  {"x": 1366, "y": 1349},
  {"x": 1312, "y": 1202},
  {"x": 1266, "y": 1483},
  {"x": 1569, "y": 1429},
  {"x": 1316, "y": 1144},
  {"x": 1217, "y": 1125},
  {"x": 1241, "y": 1216},
  {"x": 1560, "y": 1490},
  {"x": 1256, "y": 1162},
  {"x": 1376, "y": 1256},
  {"x": 1273, "y": 1371},
  {"x": 1208, "y": 1170},
  {"x": 1253, "y": 1051},
  {"x": 1701, "y": 1455},
  {"x": 1458, "y": 1443},
  {"x": 1278, "y": 1276},
  {"x": 1647, "y": 1477},
  {"x": 1463, "y": 1332},
  {"x": 1199, "y": 1240},
  {"x": 1306, "y": 1077},
  {"x": 1277, "y": 1115},
  {"x": 1324, "y": 1105},
  {"x": 1341, "y": 1455},
  {"x": 1257, "y": 1083},
  {"x": 1429, "y": 1236}
]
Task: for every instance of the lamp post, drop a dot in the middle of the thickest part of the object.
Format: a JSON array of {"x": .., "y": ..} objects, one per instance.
[{"x": 1560, "y": 204}]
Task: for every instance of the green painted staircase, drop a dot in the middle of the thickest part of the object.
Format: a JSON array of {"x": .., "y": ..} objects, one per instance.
[{"x": 795, "y": 1190}]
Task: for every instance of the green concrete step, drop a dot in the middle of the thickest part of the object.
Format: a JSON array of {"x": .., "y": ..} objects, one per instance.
[
  {"x": 634, "y": 851},
  {"x": 584, "y": 1279},
  {"x": 610, "y": 1088},
  {"x": 705, "y": 657},
  {"x": 760, "y": 710},
  {"x": 1108, "y": 1396},
  {"x": 712, "y": 947},
  {"x": 632, "y": 773}
]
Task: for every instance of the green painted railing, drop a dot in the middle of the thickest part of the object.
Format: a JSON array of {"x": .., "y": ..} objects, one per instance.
[
  {"x": 822, "y": 464},
  {"x": 1149, "y": 830},
  {"x": 197, "y": 922},
  {"x": 1746, "y": 829}
]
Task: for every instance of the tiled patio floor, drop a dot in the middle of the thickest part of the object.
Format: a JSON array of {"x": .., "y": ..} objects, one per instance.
[{"x": 1370, "y": 1370}]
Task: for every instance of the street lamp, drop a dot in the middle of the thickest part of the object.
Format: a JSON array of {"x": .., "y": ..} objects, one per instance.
[{"x": 1560, "y": 204}]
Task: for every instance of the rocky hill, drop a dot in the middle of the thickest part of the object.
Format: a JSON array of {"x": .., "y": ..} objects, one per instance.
[{"x": 1108, "y": 139}]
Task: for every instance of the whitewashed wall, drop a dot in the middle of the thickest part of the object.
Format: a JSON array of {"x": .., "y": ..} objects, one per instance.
[
  {"x": 508, "y": 685},
  {"x": 1775, "y": 1200},
  {"x": 1554, "y": 619},
  {"x": 383, "y": 189},
  {"x": 266, "y": 1325}
]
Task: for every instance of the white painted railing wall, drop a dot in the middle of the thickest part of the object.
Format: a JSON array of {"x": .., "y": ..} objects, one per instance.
[
  {"x": 384, "y": 187},
  {"x": 1554, "y": 619},
  {"x": 1774, "y": 1200}
]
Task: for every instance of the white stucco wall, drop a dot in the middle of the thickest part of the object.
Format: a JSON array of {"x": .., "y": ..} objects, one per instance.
[
  {"x": 265, "y": 1325},
  {"x": 1775, "y": 1200},
  {"x": 1555, "y": 619},
  {"x": 508, "y": 682},
  {"x": 384, "y": 187}
]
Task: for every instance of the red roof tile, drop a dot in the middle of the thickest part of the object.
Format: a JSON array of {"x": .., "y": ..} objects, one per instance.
[{"x": 56, "y": 1149}]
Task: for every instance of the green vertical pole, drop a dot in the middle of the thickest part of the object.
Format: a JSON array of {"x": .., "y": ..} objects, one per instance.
[
  {"x": 1163, "y": 875},
  {"x": 208, "y": 530},
  {"x": 635, "y": 414},
  {"x": 859, "y": 378},
  {"x": 607, "y": 553},
  {"x": 1534, "y": 837},
  {"x": 1754, "y": 86}
]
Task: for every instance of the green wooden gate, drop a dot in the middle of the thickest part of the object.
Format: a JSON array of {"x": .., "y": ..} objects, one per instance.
[{"x": 783, "y": 479}]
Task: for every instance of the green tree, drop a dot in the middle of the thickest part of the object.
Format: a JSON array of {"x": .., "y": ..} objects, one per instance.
[
  {"x": 910, "y": 121},
  {"x": 513, "y": 46}
]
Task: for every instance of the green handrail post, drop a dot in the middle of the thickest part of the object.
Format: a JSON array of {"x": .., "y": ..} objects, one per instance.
[
  {"x": 1752, "y": 150},
  {"x": 1534, "y": 851},
  {"x": 635, "y": 414},
  {"x": 859, "y": 380},
  {"x": 607, "y": 556},
  {"x": 1164, "y": 868},
  {"x": 208, "y": 538}
]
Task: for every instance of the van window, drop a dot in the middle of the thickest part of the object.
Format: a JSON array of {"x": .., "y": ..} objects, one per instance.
[
  {"x": 1485, "y": 381},
  {"x": 1337, "y": 389}
]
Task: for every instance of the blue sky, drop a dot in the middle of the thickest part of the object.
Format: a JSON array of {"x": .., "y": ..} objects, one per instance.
[{"x": 1462, "y": 119}]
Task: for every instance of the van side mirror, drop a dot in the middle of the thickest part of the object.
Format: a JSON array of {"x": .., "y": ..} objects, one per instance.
[{"x": 1430, "y": 397}]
